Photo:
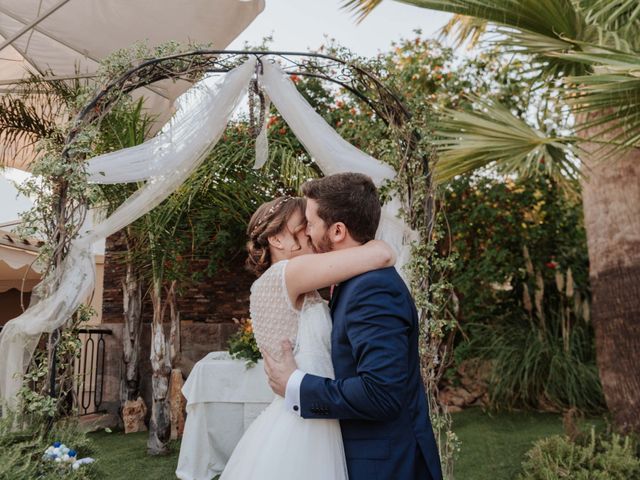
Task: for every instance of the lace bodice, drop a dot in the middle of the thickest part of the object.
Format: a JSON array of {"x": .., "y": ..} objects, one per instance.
[{"x": 274, "y": 318}]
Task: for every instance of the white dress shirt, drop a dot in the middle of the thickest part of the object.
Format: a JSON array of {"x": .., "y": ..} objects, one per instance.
[{"x": 292, "y": 392}]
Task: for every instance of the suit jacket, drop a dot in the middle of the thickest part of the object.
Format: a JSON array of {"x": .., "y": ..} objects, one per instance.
[{"x": 378, "y": 394}]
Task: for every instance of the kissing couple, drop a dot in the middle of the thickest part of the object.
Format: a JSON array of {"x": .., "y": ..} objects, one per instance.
[{"x": 350, "y": 400}]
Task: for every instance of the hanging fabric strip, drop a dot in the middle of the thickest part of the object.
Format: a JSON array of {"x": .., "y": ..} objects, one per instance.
[
  {"x": 188, "y": 132},
  {"x": 331, "y": 152},
  {"x": 170, "y": 157},
  {"x": 262, "y": 142}
]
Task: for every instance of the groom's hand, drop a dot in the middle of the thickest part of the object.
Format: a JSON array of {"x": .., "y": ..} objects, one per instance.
[{"x": 279, "y": 371}]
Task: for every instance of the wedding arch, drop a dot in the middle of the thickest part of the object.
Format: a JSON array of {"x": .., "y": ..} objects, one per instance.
[{"x": 165, "y": 161}]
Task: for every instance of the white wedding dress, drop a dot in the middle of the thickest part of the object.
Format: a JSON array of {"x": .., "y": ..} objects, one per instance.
[{"x": 280, "y": 445}]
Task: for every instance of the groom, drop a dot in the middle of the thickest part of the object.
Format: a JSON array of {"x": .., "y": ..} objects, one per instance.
[{"x": 378, "y": 394}]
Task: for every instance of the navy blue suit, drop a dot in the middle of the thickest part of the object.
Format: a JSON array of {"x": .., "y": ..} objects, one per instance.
[{"x": 378, "y": 393}]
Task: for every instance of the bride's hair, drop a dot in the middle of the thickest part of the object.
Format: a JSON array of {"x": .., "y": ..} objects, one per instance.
[{"x": 268, "y": 220}]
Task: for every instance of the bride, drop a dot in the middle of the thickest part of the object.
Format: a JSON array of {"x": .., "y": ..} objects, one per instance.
[{"x": 280, "y": 445}]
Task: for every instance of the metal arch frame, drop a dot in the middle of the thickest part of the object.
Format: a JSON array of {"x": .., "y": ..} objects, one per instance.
[
  {"x": 386, "y": 103},
  {"x": 190, "y": 66}
]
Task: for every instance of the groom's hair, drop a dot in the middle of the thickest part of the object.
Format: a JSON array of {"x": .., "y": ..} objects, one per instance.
[{"x": 350, "y": 198}]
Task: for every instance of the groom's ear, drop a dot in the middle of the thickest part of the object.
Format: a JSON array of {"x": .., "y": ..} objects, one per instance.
[{"x": 338, "y": 232}]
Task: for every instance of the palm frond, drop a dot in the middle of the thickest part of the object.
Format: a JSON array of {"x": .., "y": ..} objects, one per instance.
[
  {"x": 290, "y": 165},
  {"x": 33, "y": 110},
  {"x": 493, "y": 137},
  {"x": 464, "y": 29},
  {"x": 608, "y": 101},
  {"x": 532, "y": 27},
  {"x": 22, "y": 120},
  {"x": 360, "y": 8},
  {"x": 622, "y": 16},
  {"x": 552, "y": 18}
]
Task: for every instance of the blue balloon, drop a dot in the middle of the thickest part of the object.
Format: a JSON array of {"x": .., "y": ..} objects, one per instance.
[
  {"x": 72, "y": 453},
  {"x": 56, "y": 444}
]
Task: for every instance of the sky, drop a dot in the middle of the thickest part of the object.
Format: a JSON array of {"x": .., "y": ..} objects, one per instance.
[{"x": 299, "y": 25}]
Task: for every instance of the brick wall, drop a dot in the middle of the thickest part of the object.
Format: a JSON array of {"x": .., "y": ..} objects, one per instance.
[
  {"x": 214, "y": 300},
  {"x": 206, "y": 309}
]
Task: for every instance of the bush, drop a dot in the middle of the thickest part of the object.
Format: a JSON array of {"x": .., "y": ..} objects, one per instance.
[
  {"x": 593, "y": 458},
  {"x": 532, "y": 368},
  {"x": 22, "y": 444},
  {"x": 521, "y": 282}
]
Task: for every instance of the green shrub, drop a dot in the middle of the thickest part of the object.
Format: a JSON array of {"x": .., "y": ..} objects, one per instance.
[
  {"x": 23, "y": 442},
  {"x": 522, "y": 292},
  {"x": 535, "y": 369},
  {"x": 593, "y": 458}
]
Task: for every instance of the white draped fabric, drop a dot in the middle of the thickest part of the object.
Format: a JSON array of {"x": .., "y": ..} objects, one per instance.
[
  {"x": 331, "y": 152},
  {"x": 166, "y": 161},
  {"x": 172, "y": 156}
]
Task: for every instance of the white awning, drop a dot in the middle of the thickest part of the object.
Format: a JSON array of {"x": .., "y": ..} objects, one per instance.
[
  {"x": 17, "y": 263},
  {"x": 70, "y": 37}
]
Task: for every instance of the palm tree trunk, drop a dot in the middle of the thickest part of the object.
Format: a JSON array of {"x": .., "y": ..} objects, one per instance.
[
  {"x": 611, "y": 198},
  {"x": 175, "y": 334},
  {"x": 160, "y": 424},
  {"x": 132, "y": 309}
]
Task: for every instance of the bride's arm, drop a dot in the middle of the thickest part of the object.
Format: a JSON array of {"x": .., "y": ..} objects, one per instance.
[{"x": 311, "y": 272}]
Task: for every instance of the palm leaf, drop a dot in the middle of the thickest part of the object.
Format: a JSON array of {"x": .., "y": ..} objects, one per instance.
[
  {"x": 535, "y": 27},
  {"x": 361, "y": 8},
  {"x": 622, "y": 16},
  {"x": 609, "y": 99},
  {"x": 32, "y": 111},
  {"x": 463, "y": 28},
  {"x": 529, "y": 27},
  {"x": 494, "y": 137},
  {"x": 552, "y": 18},
  {"x": 290, "y": 165}
]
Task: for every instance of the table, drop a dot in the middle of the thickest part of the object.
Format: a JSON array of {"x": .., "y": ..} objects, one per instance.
[{"x": 223, "y": 398}]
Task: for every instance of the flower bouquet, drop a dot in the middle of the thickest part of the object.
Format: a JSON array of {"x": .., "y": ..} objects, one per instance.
[{"x": 242, "y": 344}]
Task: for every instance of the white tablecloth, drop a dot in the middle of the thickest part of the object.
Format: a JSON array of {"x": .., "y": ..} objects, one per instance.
[{"x": 223, "y": 398}]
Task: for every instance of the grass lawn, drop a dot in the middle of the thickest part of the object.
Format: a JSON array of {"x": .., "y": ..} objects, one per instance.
[
  {"x": 493, "y": 446},
  {"x": 120, "y": 456}
]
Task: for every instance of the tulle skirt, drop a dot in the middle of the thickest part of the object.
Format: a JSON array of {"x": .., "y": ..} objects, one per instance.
[{"x": 280, "y": 445}]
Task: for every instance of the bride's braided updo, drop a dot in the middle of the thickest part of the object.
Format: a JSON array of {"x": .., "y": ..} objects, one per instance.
[{"x": 270, "y": 219}]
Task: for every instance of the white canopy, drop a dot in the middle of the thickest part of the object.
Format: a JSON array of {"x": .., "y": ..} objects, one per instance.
[
  {"x": 18, "y": 268},
  {"x": 69, "y": 37}
]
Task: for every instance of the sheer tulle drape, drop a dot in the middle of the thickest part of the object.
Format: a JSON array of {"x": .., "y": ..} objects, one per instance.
[{"x": 166, "y": 161}]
